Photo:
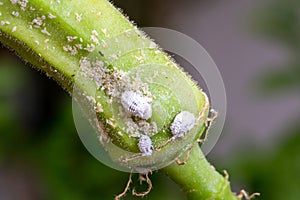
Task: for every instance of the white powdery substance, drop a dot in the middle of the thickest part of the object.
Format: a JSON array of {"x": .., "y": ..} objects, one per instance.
[
  {"x": 145, "y": 145},
  {"x": 38, "y": 22},
  {"x": 78, "y": 17},
  {"x": 183, "y": 123},
  {"x": 45, "y": 31},
  {"x": 2, "y": 23},
  {"x": 94, "y": 36},
  {"x": 71, "y": 38},
  {"x": 110, "y": 80},
  {"x": 21, "y": 3},
  {"x": 50, "y": 16},
  {"x": 14, "y": 29},
  {"x": 139, "y": 127},
  {"x": 15, "y": 13},
  {"x": 137, "y": 104}
]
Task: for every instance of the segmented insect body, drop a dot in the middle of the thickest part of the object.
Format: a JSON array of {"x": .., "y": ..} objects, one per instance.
[
  {"x": 145, "y": 145},
  {"x": 136, "y": 104},
  {"x": 183, "y": 123}
]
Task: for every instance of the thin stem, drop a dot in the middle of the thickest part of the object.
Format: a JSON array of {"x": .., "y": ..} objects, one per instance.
[{"x": 199, "y": 180}]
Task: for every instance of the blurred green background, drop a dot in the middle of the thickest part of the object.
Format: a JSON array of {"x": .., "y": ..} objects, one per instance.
[{"x": 256, "y": 45}]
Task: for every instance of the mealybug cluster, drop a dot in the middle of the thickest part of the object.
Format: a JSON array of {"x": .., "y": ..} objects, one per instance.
[
  {"x": 183, "y": 123},
  {"x": 136, "y": 104}
]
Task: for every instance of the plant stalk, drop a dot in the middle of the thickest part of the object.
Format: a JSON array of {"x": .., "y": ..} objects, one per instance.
[
  {"x": 55, "y": 35},
  {"x": 198, "y": 179}
]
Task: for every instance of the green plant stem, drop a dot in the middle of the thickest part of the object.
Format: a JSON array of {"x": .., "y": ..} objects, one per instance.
[
  {"x": 44, "y": 46},
  {"x": 198, "y": 179}
]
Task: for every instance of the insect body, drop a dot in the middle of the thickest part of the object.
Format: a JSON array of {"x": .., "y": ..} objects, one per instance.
[
  {"x": 145, "y": 145},
  {"x": 136, "y": 104},
  {"x": 183, "y": 123}
]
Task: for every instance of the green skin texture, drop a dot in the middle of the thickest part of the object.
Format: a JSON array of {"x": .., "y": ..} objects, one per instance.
[{"x": 197, "y": 178}]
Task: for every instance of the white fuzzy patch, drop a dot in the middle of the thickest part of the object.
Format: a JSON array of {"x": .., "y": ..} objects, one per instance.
[
  {"x": 136, "y": 104},
  {"x": 145, "y": 145},
  {"x": 183, "y": 123}
]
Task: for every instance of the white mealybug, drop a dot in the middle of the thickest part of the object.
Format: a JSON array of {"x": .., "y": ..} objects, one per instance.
[
  {"x": 145, "y": 145},
  {"x": 136, "y": 104},
  {"x": 183, "y": 122}
]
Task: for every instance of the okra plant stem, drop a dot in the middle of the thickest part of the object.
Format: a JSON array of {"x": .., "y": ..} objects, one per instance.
[
  {"x": 55, "y": 35},
  {"x": 198, "y": 179}
]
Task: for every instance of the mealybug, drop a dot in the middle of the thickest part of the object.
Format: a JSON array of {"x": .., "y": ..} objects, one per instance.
[
  {"x": 136, "y": 104},
  {"x": 183, "y": 122},
  {"x": 145, "y": 145}
]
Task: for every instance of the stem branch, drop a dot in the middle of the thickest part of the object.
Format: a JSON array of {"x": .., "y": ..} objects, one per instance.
[{"x": 198, "y": 179}]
